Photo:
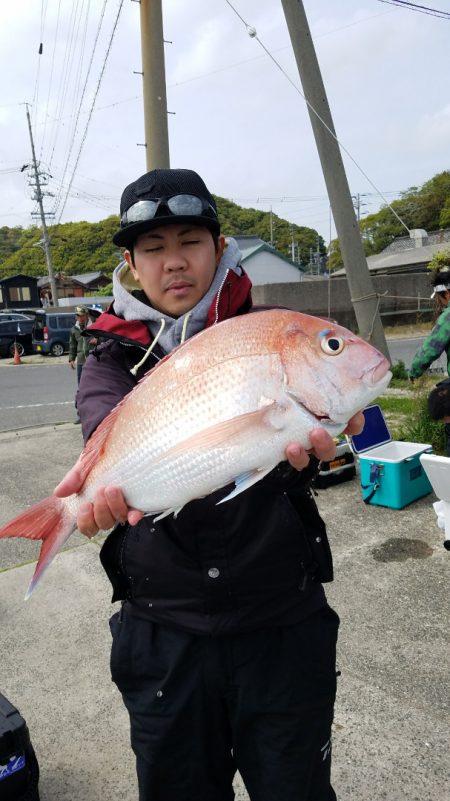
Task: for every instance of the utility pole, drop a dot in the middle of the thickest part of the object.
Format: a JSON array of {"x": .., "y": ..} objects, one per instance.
[
  {"x": 154, "y": 85},
  {"x": 38, "y": 197},
  {"x": 363, "y": 296}
]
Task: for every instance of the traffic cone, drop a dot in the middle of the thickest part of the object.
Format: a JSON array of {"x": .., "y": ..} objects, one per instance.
[{"x": 16, "y": 354}]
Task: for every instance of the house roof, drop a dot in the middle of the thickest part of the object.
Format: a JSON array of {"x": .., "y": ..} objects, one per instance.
[
  {"x": 84, "y": 279},
  {"x": 408, "y": 259},
  {"x": 17, "y": 277},
  {"x": 88, "y": 278},
  {"x": 250, "y": 245}
]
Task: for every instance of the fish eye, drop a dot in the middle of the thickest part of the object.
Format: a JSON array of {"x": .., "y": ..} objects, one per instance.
[{"x": 332, "y": 345}]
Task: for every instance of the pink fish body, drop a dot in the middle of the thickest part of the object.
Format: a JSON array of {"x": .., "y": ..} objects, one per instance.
[{"x": 221, "y": 409}]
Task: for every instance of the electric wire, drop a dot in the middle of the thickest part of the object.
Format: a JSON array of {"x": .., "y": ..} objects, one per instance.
[
  {"x": 66, "y": 70},
  {"x": 92, "y": 107},
  {"x": 252, "y": 32},
  {"x": 77, "y": 80},
  {"x": 50, "y": 85},
  {"x": 83, "y": 93},
  {"x": 432, "y": 12},
  {"x": 226, "y": 67}
]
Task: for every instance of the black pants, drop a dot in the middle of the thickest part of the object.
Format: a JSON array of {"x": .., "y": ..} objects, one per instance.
[
  {"x": 201, "y": 708},
  {"x": 447, "y": 431}
]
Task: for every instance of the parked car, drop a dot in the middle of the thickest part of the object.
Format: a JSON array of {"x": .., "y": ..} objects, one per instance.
[
  {"x": 51, "y": 332},
  {"x": 15, "y": 333},
  {"x": 7, "y": 316}
]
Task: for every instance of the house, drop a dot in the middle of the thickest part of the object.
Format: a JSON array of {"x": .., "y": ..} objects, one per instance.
[
  {"x": 72, "y": 286},
  {"x": 266, "y": 265},
  {"x": 407, "y": 254},
  {"x": 19, "y": 292}
]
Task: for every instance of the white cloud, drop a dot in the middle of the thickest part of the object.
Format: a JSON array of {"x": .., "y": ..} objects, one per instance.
[{"x": 237, "y": 120}]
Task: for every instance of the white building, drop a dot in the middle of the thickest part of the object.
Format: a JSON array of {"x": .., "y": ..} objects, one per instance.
[{"x": 266, "y": 265}]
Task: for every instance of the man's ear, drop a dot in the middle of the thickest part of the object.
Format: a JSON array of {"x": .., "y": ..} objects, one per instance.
[
  {"x": 129, "y": 260},
  {"x": 220, "y": 248}
]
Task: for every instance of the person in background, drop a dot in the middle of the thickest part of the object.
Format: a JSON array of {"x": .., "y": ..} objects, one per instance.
[
  {"x": 79, "y": 346},
  {"x": 438, "y": 341},
  {"x": 439, "y": 406},
  {"x": 224, "y": 648}
]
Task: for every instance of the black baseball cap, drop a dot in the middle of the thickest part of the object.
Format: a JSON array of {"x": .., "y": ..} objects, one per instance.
[{"x": 161, "y": 197}]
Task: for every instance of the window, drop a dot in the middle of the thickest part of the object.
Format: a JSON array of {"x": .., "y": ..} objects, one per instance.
[{"x": 19, "y": 293}]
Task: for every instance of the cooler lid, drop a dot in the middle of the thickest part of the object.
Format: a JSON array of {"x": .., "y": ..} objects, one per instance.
[{"x": 375, "y": 431}]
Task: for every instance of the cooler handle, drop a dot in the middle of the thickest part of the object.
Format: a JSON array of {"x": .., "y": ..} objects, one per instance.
[
  {"x": 374, "y": 482},
  {"x": 410, "y": 458}
]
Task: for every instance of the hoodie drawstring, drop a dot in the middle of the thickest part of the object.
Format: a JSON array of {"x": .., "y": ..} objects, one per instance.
[
  {"x": 183, "y": 330},
  {"x": 147, "y": 353}
]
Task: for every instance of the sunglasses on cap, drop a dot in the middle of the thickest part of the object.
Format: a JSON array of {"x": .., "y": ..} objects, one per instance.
[{"x": 177, "y": 205}]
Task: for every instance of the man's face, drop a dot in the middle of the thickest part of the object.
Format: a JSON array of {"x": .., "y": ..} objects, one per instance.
[
  {"x": 82, "y": 319},
  {"x": 175, "y": 265},
  {"x": 444, "y": 298}
]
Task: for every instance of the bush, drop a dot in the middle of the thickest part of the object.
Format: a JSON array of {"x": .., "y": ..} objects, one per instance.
[
  {"x": 421, "y": 428},
  {"x": 399, "y": 370}
]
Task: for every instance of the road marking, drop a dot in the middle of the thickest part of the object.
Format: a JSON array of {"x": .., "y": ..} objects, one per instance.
[{"x": 36, "y": 405}]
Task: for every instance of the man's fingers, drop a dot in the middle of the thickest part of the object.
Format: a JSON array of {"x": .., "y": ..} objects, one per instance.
[
  {"x": 116, "y": 503},
  {"x": 71, "y": 483},
  {"x": 297, "y": 456},
  {"x": 324, "y": 446},
  {"x": 86, "y": 521},
  {"x": 355, "y": 425},
  {"x": 134, "y": 516}
]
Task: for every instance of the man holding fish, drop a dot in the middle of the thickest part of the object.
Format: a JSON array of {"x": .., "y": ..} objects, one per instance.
[{"x": 224, "y": 647}]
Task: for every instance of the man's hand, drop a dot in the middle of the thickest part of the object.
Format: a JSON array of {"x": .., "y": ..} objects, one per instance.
[
  {"x": 72, "y": 365},
  {"x": 109, "y": 506},
  {"x": 324, "y": 446}
]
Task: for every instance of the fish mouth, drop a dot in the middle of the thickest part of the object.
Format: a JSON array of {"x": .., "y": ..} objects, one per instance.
[
  {"x": 318, "y": 420},
  {"x": 336, "y": 424}
]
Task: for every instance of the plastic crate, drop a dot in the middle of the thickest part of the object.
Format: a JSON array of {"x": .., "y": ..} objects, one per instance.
[
  {"x": 341, "y": 468},
  {"x": 19, "y": 769}
]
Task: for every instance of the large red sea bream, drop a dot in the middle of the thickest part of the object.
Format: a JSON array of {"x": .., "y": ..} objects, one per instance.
[{"x": 220, "y": 410}]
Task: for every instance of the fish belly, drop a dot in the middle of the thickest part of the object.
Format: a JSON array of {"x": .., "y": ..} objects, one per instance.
[{"x": 185, "y": 444}]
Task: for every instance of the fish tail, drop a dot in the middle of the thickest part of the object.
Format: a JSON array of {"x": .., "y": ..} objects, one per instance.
[{"x": 49, "y": 521}]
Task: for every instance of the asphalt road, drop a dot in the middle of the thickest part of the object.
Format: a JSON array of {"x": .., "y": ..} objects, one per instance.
[
  {"x": 35, "y": 394},
  {"x": 32, "y": 395},
  {"x": 405, "y": 349}
]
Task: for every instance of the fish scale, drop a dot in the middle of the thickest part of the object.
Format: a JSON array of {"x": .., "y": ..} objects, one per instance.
[{"x": 222, "y": 408}]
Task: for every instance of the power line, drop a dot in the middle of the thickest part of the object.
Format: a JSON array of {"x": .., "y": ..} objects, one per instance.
[
  {"x": 253, "y": 34},
  {"x": 432, "y": 12},
  {"x": 82, "y": 96},
  {"x": 92, "y": 107}
]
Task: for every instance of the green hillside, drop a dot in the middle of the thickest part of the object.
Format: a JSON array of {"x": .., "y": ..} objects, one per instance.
[
  {"x": 426, "y": 207},
  {"x": 83, "y": 247}
]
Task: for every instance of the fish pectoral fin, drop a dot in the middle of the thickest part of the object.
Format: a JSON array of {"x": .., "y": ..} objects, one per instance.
[
  {"x": 175, "y": 510},
  {"x": 221, "y": 434},
  {"x": 246, "y": 480}
]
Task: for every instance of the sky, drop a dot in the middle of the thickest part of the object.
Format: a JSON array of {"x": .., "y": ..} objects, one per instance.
[{"x": 234, "y": 115}]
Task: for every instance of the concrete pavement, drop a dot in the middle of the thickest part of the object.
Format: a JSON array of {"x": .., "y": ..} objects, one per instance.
[{"x": 391, "y": 733}]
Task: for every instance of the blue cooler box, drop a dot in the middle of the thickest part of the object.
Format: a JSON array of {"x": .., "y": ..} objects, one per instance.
[{"x": 390, "y": 471}]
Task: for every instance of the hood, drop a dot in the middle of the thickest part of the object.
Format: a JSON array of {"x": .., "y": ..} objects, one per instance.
[{"x": 132, "y": 318}]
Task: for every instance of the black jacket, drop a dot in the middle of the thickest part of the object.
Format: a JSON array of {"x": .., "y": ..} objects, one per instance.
[{"x": 256, "y": 560}]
